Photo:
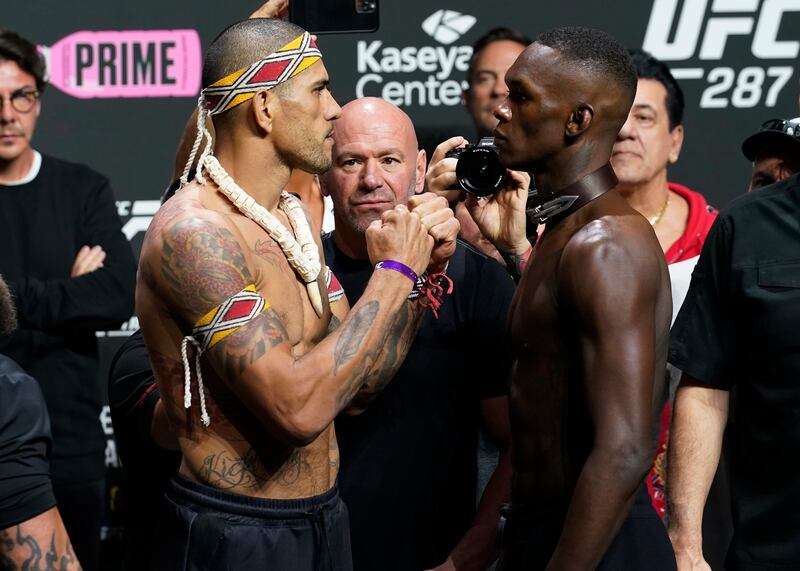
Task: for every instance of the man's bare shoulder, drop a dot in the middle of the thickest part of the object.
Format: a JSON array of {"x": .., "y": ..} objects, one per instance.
[
  {"x": 184, "y": 204},
  {"x": 619, "y": 248},
  {"x": 193, "y": 257},
  {"x": 625, "y": 232}
]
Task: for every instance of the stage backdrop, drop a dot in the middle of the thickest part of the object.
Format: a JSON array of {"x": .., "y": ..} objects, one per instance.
[{"x": 125, "y": 76}]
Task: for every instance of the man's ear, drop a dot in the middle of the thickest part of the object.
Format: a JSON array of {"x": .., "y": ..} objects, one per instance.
[
  {"x": 263, "y": 107},
  {"x": 579, "y": 120},
  {"x": 676, "y": 142},
  {"x": 422, "y": 162}
]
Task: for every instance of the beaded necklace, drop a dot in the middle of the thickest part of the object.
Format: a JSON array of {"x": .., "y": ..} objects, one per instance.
[{"x": 301, "y": 252}]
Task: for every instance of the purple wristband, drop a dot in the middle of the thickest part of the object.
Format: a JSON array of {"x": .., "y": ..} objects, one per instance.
[{"x": 398, "y": 267}]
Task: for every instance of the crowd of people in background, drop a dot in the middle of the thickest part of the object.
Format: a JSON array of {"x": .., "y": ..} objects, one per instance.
[{"x": 348, "y": 362}]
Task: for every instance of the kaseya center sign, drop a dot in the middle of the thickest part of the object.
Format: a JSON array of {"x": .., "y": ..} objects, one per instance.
[{"x": 427, "y": 75}]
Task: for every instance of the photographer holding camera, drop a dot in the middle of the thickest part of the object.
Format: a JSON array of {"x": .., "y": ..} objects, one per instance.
[
  {"x": 492, "y": 55},
  {"x": 458, "y": 169}
]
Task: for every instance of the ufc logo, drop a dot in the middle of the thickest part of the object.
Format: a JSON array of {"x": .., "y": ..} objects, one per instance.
[{"x": 727, "y": 18}]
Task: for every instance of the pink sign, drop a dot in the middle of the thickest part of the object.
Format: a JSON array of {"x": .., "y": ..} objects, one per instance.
[{"x": 130, "y": 63}]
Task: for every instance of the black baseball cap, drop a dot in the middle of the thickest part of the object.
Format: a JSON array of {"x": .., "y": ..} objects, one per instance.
[{"x": 773, "y": 132}]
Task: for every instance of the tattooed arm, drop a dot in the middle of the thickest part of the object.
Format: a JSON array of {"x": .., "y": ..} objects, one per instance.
[
  {"x": 38, "y": 543},
  {"x": 202, "y": 261},
  {"x": 443, "y": 227},
  {"x": 516, "y": 262},
  {"x": 386, "y": 359}
]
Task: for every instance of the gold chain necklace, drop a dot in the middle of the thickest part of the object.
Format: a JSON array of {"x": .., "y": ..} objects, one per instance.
[{"x": 653, "y": 220}]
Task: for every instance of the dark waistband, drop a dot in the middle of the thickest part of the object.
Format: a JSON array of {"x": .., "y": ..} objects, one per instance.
[{"x": 181, "y": 490}]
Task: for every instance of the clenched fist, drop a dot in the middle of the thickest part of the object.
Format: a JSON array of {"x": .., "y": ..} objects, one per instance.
[
  {"x": 401, "y": 236},
  {"x": 442, "y": 226}
]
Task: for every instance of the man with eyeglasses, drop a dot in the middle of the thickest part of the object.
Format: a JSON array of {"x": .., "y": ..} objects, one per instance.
[
  {"x": 738, "y": 328},
  {"x": 71, "y": 272},
  {"x": 774, "y": 151}
]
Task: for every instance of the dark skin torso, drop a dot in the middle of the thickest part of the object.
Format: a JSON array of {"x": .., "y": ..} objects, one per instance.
[{"x": 558, "y": 407}]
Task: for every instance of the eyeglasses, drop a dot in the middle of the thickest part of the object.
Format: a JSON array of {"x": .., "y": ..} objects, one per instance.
[
  {"x": 790, "y": 127},
  {"x": 22, "y": 101}
]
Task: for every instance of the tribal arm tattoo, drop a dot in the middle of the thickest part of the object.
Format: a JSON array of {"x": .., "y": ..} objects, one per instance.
[
  {"x": 29, "y": 547},
  {"x": 379, "y": 366}
]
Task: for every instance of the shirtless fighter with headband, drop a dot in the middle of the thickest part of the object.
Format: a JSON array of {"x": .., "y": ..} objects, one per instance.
[{"x": 231, "y": 297}]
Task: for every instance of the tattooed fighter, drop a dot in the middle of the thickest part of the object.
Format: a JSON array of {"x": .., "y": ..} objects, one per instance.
[{"x": 232, "y": 304}]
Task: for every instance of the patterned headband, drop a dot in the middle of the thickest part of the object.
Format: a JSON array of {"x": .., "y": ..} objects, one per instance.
[{"x": 242, "y": 85}]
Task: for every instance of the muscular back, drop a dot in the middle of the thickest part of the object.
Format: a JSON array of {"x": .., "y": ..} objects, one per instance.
[
  {"x": 590, "y": 322},
  {"x": 198, "y": 252}
]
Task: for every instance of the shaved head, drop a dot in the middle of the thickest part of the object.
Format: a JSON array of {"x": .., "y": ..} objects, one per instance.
[
  {"x": 378, "y": 117},
  {"x": 244, "y": 43},
  {"x": 240, "y": 45}
]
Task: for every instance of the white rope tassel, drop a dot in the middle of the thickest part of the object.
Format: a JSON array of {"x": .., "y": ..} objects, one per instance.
[
  {"x": 187, "y": 376},
  {"x": 201, "y": 123},
  {"x": 206, "y": 152}
]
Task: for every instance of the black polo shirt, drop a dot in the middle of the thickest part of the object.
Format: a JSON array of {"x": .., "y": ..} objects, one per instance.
[
  {"x": 25, "y": 488},
  {"x": 740, "y": 325}
]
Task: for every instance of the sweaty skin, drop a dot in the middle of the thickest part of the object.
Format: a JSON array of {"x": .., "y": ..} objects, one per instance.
[{"x": 590, "y": 317}]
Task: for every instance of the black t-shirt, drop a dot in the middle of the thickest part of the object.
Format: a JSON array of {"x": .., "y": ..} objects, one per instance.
[
  {"x": 25, "y": 488},
  {"x": 132, "y": 396},
  {"x": 43, "y": 225},
  {"x": 408, "y": 463},
  {"x": 740, "y": 325}
]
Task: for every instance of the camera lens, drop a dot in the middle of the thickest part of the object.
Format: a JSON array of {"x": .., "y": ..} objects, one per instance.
[{"x": 479, "y": 171}]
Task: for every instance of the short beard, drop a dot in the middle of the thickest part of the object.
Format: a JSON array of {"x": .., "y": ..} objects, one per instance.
[
  {"x": 312, "y": 160},
  {"x": 361, "y": 228},
  {"x": 8, "y": 311}
]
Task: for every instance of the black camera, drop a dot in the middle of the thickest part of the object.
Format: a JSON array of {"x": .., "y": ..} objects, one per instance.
[{"x": 479, "y": 170}]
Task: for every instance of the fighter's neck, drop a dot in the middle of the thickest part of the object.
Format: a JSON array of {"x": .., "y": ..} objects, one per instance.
[
  {"x": 262, "y": 176},
  {"x": 555, "y": 207},
  {"x": 591, "y": 184}
]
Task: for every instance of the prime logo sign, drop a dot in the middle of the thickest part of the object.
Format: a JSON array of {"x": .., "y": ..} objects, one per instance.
[
  {"x": 699, "y": 33},
  {"x": 126, "y": 64},
  {"x": 376, "y": 61}
]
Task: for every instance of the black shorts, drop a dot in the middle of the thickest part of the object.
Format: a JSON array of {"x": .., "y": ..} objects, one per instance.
[
  {"x": 205, "y": 529},
  {"x": 529, "y": 537}
]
